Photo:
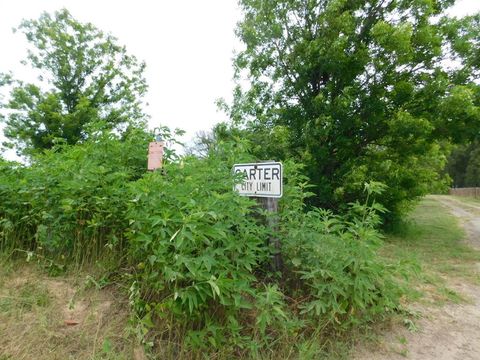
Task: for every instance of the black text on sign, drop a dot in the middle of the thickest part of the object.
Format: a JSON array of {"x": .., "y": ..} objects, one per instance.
[{"x": 260, "y": 179}]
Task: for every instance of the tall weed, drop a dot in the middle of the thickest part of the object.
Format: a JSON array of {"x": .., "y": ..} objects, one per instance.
[
  {"x": 196, "y": 247},
  {"x": 333, "y": 264},
  {"x": 71, "y": 200},
  {"x": 194, "y": 254}
]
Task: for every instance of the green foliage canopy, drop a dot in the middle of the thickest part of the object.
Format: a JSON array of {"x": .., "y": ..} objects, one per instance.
[
  {"x": 358, "y": 90},
  {"x": 84, "y": 77}
]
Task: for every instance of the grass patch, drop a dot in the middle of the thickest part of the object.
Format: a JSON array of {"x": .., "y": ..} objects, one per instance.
[
  {"x": 26, "y": 297},
  {"x": 431, "y": 240},
  {"x": 429, "y": 244}
]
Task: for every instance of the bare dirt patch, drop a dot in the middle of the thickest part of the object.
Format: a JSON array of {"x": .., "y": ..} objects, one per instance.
[
  {"x": 447, "y": 332},
  {"x": 59, "y": 318}
]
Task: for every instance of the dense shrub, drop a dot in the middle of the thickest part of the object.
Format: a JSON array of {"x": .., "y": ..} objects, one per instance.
[
  {"x": 201, "y": 260},
  {"x": 71, "y": 199},
  {"x": 193, "y": 253},
  {"x": 334, "y": 259},
  {"x": 13, "y": 225},
  {"x": 196, "y": 244}
]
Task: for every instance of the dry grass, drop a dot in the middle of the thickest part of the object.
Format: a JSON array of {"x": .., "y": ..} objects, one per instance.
[{"x": 34, "y": 309}]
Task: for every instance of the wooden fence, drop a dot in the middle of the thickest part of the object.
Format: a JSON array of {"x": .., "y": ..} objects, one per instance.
[{"x": 470, "y": 192}]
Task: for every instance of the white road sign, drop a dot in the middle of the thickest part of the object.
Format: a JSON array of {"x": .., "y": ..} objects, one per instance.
[{"x": 261, "y": 179}]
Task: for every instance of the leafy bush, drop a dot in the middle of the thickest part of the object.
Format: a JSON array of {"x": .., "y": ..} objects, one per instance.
[
  {"x": 334, "y": 259},
  {"x": 195, "y": 243},
  {"x": 201, "y": 260},
  {"x": 71, "y": 199},
  {"x": 193, "y": 253},
  {"x": 12, "y": 224}
]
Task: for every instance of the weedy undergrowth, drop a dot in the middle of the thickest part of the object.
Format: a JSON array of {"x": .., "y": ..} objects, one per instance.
[
  {"x": 195, "y": 255},
  {"x": 333, "y": 263},
  {"x": 69, "y": 203},
  {"x": 201, "y": 259}
]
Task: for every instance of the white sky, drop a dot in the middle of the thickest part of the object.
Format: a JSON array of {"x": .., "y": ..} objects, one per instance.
[{"x": 188, "y": 46}]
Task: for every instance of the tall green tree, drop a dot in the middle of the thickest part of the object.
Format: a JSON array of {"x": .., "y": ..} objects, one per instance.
[
  {"x": 359, "y": 90},
  {"x": 85, "y": 76}
]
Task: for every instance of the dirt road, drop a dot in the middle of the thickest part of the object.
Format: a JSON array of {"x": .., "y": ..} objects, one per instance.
[
  {"x": 449, "y": 332},
  {"x": 469, "y": 215}
]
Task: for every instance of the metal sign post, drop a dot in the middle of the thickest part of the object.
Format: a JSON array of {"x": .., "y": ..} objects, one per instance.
[{"x": 264, "y": 182}]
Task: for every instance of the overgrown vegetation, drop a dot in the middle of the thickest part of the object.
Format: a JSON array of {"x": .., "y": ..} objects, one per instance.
[
  {"x": 351, "y": 96},
  {"x": 70, "y": 200},
  {"x": 193, "y": 253}
]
